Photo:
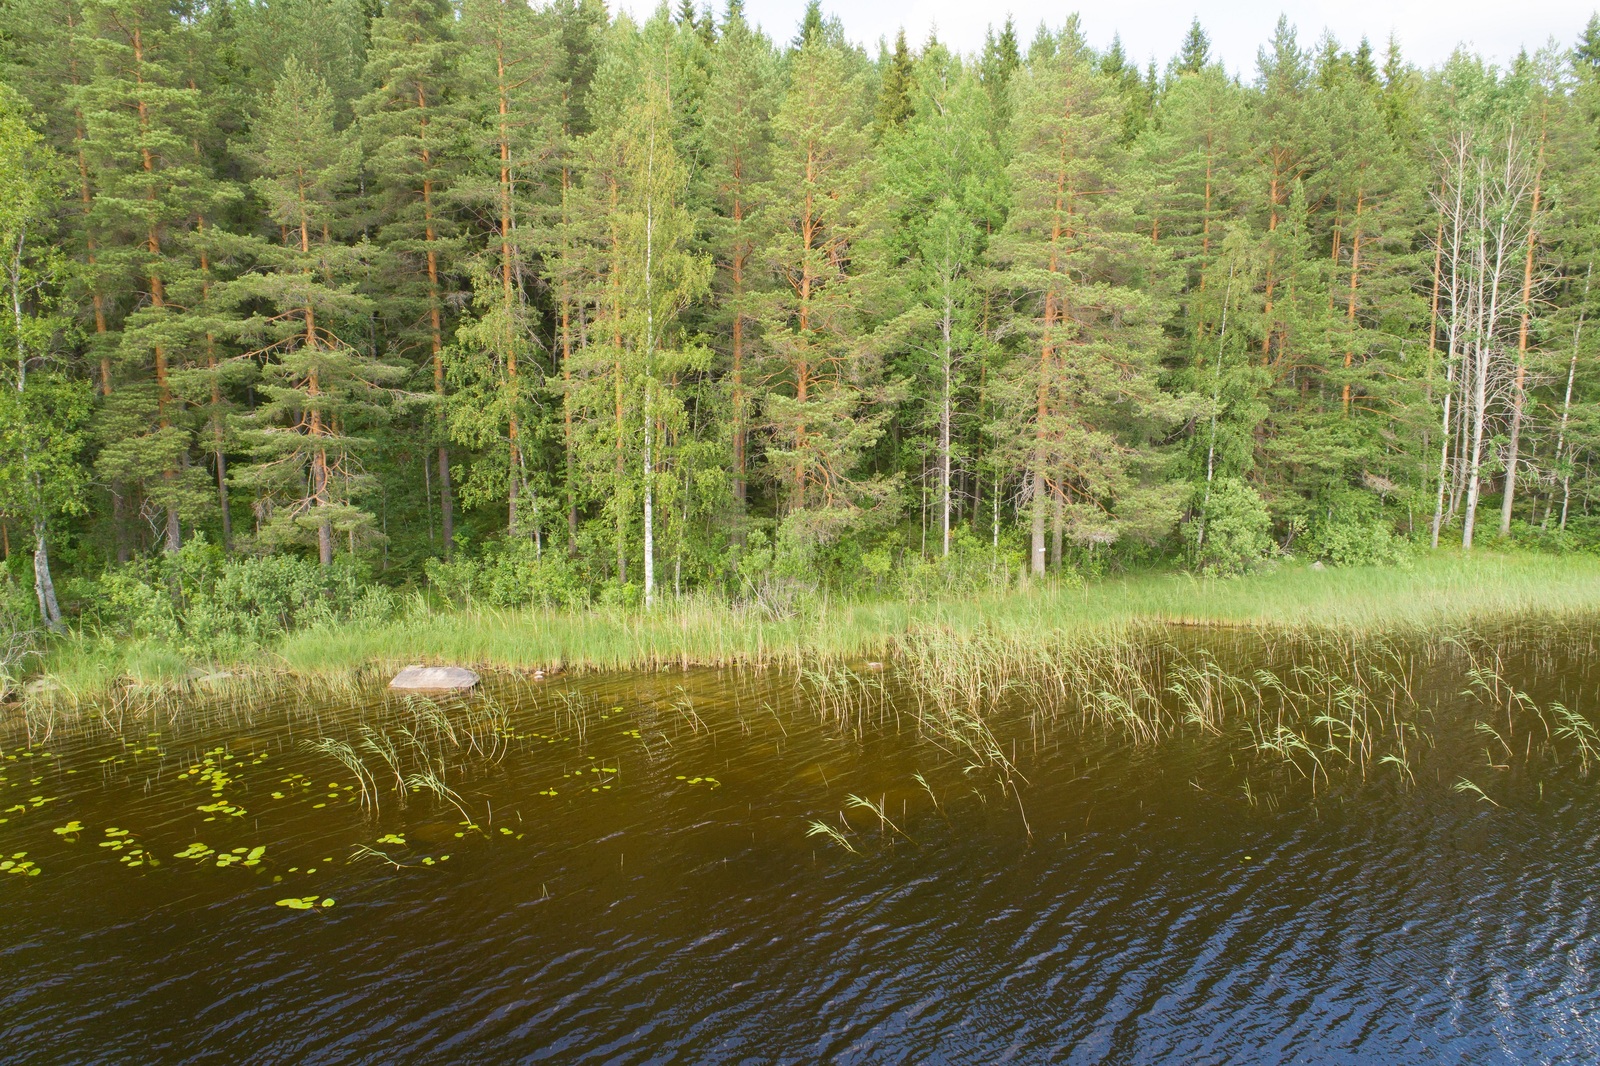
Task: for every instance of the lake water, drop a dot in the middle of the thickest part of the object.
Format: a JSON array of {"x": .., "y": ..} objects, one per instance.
[{"x": 625, "y": 869}]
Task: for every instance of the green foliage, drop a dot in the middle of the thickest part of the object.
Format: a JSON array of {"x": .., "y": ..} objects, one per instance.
[
  {"x": 1233, "y": 530},
  {"x": 202, "y": 603},
  {"x": 1357, "y": 544},
  {"x": 630, "y": 311},
  {"x": 1349, "y": 528},
  {"x": 509, "y": 573}
]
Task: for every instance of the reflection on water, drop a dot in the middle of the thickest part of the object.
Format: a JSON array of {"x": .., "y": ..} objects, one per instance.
[{"x": 624, "y": 869}]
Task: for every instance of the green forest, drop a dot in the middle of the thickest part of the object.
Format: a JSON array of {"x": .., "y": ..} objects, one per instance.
[{"x": 317, "y": 305}]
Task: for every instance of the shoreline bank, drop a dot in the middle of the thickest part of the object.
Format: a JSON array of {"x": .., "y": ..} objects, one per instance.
[{"x": 1039, "y": 619}]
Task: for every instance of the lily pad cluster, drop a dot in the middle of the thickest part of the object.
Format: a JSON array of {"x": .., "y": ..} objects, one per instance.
[
  {"x": 129, "y": 853},
  {"x": 20, "y": 864},
  {"x": 304, "y": 903},
  {"x": 199, "y": 853},
  {"x": 31, "y": 803}
]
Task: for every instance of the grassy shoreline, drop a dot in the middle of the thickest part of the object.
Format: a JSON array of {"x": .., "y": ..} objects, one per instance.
[{"x": 1041, "y": 619}]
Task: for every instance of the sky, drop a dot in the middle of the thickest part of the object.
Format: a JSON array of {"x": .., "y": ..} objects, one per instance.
[{"x": 1428, "y": 30}]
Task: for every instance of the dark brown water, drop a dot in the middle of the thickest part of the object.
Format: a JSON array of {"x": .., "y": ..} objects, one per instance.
[{"x": 636, "y": 884}]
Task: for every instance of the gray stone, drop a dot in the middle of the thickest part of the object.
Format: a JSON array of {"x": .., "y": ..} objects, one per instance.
[{"x": 434, "y": 679}]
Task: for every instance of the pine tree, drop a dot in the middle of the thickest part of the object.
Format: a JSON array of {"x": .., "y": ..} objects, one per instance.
[
  {"x": 823, "y": 396},
  {"x": 1190, "y": 158},
  {"x": 297, "y": 304},
  {"x": 142, "y": 116},
  {"x": 1287, "y": 137},
  {"x": 1078, "y": 388},
  {"x": 737, "y": 139}
]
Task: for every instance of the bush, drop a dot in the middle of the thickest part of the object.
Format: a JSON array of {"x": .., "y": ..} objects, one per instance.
[
  {"x": 1237, "y": 529},
  {"x": 971, "y": 566},
  {"x": 201, "y": 602},
  {"x": 771, "y": 577},
  {"x": 1348, "y": 527},
  {"x": 509, "y": 573},
  {"x": 1356, "y": 543}
]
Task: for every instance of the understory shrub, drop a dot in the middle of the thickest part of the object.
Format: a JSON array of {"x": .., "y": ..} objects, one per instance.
[
  {"x": 1237, "y": 528},
  {"x": 201, "y": 602},
  {"x": 509, "y": 573},
  {"x": 1349, "y": 528},
  {"x": 19, "y": 633}
]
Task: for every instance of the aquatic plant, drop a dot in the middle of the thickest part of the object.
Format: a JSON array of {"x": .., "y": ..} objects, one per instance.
[
  {"x": 19, "y": 864},
  {"x": 859, "y": 802},
  {"x": 304, "y": 903},
  {"x": 823, "y": 829},
  {"x": 347, "y": 757}
]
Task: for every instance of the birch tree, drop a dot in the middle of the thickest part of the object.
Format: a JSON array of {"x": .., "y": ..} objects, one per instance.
[
  {"x": 1485, "y": 190},
  {"x": 41, "y": 411}
]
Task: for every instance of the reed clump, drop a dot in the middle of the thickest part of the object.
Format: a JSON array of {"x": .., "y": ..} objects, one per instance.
[{"x": 1321, "y": 704}]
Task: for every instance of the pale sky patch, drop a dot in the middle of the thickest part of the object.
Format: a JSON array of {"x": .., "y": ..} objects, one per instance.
[{"x": 1427, "y": 31}]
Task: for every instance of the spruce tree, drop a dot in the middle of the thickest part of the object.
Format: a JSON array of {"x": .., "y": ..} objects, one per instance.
[
  {"x": 510, "y": 70},
  {"x": 998, "y": 63},
  {"x": 597, "y": 383},
  {"x": 1194, "y": 55},
  {"x": 411, "y": 127},
  {"x": 894, "y": 92},
  {"x": 562, "y": 245},
  {"x": 939, "y": 194}
]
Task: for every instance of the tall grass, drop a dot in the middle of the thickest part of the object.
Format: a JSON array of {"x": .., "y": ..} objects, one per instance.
[
  {"x": 1019, "y": 634},
  {"x": 1451, "y": 589}
]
